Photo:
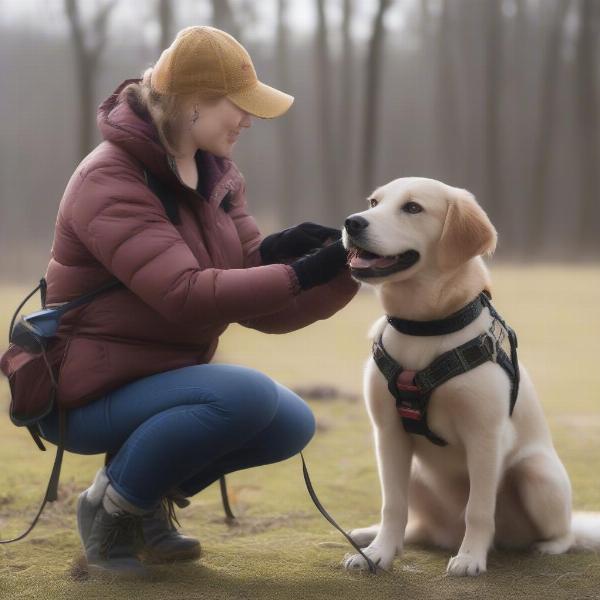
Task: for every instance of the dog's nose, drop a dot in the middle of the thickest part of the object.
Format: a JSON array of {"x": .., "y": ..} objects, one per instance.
[{"x": 354, "y": 225}]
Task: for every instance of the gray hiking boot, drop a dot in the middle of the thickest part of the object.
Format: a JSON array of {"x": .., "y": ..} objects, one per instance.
[
  {"x": 110, "y": 529},
  {"x": 114, "y": 541},
  {"x": 162, "y": 542}
]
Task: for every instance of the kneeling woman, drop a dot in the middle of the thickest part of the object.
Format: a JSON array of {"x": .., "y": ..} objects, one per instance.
[{"x": 136, "y": 371}]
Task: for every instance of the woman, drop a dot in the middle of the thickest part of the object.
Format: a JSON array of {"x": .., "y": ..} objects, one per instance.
[{"x": 135, "y": 365}]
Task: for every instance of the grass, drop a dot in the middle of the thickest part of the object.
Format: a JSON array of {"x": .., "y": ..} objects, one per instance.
[{"x": 282, "y": 547}]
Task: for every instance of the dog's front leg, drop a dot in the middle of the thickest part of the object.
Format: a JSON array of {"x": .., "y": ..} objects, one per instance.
[
  {"x": 394, "y": 453},
  {"x": 483, "y": 464}
]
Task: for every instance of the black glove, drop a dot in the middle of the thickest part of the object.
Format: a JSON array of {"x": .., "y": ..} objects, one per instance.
[
  {"x": 295, "y": 241},
  {"x": 321, "y": 266}
]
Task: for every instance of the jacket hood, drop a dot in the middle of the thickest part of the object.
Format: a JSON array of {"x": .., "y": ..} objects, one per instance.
[{"x": 128, "y": 124}]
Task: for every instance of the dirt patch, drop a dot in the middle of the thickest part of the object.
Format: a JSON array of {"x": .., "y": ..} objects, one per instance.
[
  {"x": 247, "y": 525},
  {"x": 6, "y": 499},
  {"x": 17, "y": 568},
  {"x": 325, "y": 393}
]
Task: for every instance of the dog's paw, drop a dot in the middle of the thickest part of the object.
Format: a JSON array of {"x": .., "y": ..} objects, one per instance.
[
  {"x": 556, "y": 546},
  {"x": 465, "y": 564},
  {"x": 381, "y": 557},
  {"x": 364, "y": 536}
]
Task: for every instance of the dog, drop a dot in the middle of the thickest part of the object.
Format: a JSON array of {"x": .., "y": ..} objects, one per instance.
[{"x": 498, "y": 481}]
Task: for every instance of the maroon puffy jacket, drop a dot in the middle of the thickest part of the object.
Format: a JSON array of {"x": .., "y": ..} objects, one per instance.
[{"x": 184, "y": 283}]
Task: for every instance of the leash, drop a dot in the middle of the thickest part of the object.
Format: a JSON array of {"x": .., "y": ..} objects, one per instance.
[
  {"x": 51, "y": 494},
  {"x": 313, "y": 495}
]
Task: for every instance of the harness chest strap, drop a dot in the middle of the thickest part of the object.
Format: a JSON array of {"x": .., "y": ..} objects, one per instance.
[{"x": 412, "y": 389}]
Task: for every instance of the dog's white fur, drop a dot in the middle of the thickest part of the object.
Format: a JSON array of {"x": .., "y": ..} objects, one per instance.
[{"x": 499, "y": 480}]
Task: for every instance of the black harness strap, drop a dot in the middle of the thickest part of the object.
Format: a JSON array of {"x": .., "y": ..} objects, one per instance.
[
  {"x": 412, "y": 389},
  {"x": 411, "y": 403},
  {"x": 510, "y": 365},
  {"x": 455, "y": 322}
]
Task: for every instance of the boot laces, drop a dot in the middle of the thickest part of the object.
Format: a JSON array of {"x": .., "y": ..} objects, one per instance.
[
  {"x": 125, "y": 526},
  {"x": 168, "y": 506}
]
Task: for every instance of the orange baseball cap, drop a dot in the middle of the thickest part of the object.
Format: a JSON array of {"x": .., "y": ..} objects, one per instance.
[{"x": 206, "y": 58}]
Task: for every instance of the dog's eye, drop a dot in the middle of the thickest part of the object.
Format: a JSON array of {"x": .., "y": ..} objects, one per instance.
[
  {"x": 412, "y": 208},
  {"x": 372, "y": 202}
]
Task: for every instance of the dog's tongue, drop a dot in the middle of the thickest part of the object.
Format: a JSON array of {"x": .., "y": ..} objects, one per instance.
[{"x": 380, "y": 262}]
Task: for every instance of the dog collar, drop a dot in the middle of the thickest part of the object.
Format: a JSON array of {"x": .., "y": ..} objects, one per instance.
[{"x": 455, "y": 322}]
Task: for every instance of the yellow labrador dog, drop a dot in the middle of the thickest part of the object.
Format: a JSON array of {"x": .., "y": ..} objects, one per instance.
[{"x": 498, "y": 480}]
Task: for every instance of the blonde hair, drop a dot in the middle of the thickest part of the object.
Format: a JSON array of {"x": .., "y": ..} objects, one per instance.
[{"x": 165, "y": 110}]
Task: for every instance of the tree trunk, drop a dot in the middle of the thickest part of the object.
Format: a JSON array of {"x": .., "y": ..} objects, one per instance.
[
  {"x": 545, "y": 132},
  {"x": 86, "y": 66},
  {"x": 165, "y": 22},
  {"x": 345, "y": 139},
  {"x": 493, "y": 89},
  {"x": 372, "y": 92},
  {"x": 447, "y": 98},
  {"x": 224, "y": 19},
  {"x": 327, "y": 146},
  {"x": 586, "y": 72},
  {"x": 289, "y": 181}
]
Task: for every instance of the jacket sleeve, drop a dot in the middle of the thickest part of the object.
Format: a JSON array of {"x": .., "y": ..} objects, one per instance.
[
  {"x": 123, "y": 225},
  {"x": 320, "y": 302}
]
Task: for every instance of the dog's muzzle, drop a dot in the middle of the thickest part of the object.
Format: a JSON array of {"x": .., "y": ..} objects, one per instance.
[{"x": 365, "y": 264}]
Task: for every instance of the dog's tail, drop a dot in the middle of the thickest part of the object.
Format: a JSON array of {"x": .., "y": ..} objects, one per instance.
[{"x": 585, "y": 527}]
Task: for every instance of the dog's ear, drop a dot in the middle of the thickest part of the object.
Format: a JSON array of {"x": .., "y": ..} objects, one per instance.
[{"x": 467, "y": 231}]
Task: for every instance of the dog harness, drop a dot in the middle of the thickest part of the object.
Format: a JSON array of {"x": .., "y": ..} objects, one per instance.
[{"x": 412, "y": 389}]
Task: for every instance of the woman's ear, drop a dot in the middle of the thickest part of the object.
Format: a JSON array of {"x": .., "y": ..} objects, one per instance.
[{"x": 467, "y": 231}]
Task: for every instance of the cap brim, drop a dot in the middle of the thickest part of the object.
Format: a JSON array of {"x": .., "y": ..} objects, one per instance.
[{"x": 262, "y": 101}]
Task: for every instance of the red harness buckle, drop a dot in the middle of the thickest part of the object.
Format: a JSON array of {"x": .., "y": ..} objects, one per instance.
[
  {"x": 405, "y": 383},
  {"x": 410, "y": 413}
]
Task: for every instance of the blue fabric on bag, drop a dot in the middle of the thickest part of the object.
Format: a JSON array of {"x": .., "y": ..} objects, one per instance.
[{"x": 187, "y": 428}]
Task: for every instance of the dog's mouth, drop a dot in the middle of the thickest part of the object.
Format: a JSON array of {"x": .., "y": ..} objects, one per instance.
[{"x": 365, "y": 264}]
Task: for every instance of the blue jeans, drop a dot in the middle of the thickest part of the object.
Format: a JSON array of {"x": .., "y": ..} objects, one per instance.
[{"x": 186, "y": 428}]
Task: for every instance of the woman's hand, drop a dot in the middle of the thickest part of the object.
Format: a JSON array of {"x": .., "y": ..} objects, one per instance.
[
  {"x": 321, "y": 266},
  {"x": 295, "y": 241}
]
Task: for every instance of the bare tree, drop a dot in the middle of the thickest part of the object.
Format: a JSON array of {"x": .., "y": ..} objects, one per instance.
[
  {"x": 587, "y": 98},
  {"x": 165, "y": 22},
  {"x": 545, "y": 130},
  {"x": 372, "y": 92},
  {"x": 446, "y": 86},
  {"x": 224, "y": 19},
  {"x": 289, "y": 192},
  {"x": 493, "y": 89},
  {"x": 87, "y": 57},
  {"x": 327, "y": 145},
  {"x": 345, "y": 139}
]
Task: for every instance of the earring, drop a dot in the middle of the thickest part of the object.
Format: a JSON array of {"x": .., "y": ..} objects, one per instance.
[{"x": 196, "y": 115}]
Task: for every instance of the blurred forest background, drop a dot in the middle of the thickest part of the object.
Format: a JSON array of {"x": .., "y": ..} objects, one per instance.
[{"x": 498, "y": 96}]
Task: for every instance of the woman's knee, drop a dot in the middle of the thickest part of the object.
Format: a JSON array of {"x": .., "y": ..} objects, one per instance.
[
  {"x": 307, "y": 426},
  {"x": 296, "y": 421},
  {"x": 246, "y": 396}
]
